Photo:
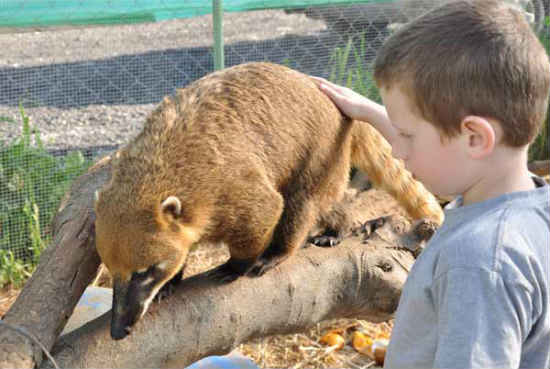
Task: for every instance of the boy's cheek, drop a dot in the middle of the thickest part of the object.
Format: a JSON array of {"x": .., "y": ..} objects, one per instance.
[
  {"x": 401, "y": 150},
  {"x": 428, "y": 173}
]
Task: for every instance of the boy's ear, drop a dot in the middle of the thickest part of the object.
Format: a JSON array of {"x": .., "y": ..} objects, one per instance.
[{"x": 479, "y": 135}]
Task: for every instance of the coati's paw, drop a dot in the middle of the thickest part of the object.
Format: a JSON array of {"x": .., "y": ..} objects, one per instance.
[
  {"x": 329, "y": 238},
  {"x": 166, "y": 290},
  {"x": 262, "y": 265},
  {"x": 224, "y": 273},
  {"x": 367, "y": 228},
  {"x": 170, "y": 287}
]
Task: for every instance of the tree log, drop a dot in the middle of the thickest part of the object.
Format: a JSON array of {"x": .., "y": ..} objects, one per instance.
[{"x": 202, "y": 317}]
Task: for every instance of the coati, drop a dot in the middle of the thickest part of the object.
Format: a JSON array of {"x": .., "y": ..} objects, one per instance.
[{"x": 249, "y": 156}]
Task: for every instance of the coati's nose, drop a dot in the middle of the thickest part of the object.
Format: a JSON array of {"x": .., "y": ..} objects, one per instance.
[{"x": 118, "y": 333}]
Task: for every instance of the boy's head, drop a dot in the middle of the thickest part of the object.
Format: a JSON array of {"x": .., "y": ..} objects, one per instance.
[{"x": 470, "y": 58}]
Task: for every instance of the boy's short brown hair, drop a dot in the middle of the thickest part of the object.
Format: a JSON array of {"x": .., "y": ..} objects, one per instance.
[{"x": 476, "y": 57}]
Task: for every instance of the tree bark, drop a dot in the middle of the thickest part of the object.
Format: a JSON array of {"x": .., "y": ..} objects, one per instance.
[{"x": 202, "y": 317}]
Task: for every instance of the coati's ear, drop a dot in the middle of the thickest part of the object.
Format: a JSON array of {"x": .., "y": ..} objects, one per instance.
[{"x": 172, "y": 206}]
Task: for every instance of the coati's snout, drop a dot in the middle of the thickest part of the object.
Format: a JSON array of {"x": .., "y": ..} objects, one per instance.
[
  {"x": 131, "y": 300},
  {"x": 143, "y": 253}
]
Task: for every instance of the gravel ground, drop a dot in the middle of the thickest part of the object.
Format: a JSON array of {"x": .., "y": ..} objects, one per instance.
[
  {"x": 89, "y": 87},
  {"x": 94, "y": 86}
]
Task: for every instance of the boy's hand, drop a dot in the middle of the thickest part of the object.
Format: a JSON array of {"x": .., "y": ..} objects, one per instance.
[
  {"x": 348, "y": 101},
  {"x": 358, "y": 107}
]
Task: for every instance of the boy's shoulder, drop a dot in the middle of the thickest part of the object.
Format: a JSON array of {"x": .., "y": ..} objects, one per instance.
[{"x": 498, "y": 235}]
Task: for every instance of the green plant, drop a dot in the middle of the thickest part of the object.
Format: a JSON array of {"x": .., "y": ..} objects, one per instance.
[
  {"x": 32, "y": 182},
  {"x": 13, "y": 271},
  {"x": 355, "y": 74}
]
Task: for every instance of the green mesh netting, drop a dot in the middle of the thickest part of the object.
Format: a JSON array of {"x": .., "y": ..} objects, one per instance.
[{"x": 14, "y": 13}]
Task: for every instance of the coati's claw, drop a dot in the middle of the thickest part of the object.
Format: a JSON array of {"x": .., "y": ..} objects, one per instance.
[
  {"x": 262, "y": 265},
  {"x": 329, "y": 238},
  {"x": 325, "y": 240},
  {"x": 367, "y": 228},
  {"x": 258, "y": 270},
  {"x": 166, "y": 290}
]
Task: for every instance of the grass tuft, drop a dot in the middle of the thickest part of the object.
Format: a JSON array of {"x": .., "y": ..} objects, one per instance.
[{"x": 32, "y": 182}]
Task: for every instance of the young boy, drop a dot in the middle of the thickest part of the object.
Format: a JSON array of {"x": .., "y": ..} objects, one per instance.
[{"x": 466, "y": 88}]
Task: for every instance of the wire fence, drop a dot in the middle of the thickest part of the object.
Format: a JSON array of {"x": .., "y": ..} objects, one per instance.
[{"x": 72, "y": 88}]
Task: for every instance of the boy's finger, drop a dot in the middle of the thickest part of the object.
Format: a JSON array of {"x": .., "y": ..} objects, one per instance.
[
  {"x": 334, "y": 91},
  {"x": 334, "y": 95},
  {"x": 321, "y": 81},
  {"x": 318, "y": 80},
  {"x": 337, "y": 88}
]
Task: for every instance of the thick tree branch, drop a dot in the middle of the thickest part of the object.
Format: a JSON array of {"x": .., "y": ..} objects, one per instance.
[{"x": 204, "y": 317}]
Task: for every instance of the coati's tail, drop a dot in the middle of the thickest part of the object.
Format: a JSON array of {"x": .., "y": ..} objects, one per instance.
[{"x": 371, "y": 153}]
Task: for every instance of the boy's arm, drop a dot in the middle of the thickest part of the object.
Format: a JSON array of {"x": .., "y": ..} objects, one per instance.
[
  {"x": 358, "y": 107},
  {"x": 482, "y": 319}
]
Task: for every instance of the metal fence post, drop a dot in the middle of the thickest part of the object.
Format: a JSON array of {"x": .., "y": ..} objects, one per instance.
[{"x": 217, "y": 18}]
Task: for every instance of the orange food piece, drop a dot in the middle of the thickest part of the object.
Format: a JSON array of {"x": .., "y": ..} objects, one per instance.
[
  {"x": 373, "y": 348},
  {"x": 333, "y": 339},
  {"x": 361, "y": 341}
]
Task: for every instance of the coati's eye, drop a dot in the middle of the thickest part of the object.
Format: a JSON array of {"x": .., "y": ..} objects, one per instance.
[
  {"x": 147, "y": 275},
  {"x": 142, "y": 273},
  {"x": 158, "y": 271},
  {"x": 143, "y": 277}
]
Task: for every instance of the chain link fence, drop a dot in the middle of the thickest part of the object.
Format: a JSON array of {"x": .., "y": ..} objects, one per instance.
[{"x": 71, "y": 91}]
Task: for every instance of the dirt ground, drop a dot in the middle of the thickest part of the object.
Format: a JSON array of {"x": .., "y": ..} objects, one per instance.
[{"x": 300, "y": 350}]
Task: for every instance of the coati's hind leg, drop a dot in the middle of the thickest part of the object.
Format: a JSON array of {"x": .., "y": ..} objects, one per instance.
[
  {"x": 333, "y": 226},
  {"x": 255, "y": 212},
  {"x": 297, "y": 219}
]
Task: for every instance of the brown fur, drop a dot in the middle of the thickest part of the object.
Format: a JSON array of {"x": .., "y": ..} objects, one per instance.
[{"x": 255, "y": 153}]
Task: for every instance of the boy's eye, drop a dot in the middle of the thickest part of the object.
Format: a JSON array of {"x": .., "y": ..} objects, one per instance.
[{"x": 405, "y": 135}]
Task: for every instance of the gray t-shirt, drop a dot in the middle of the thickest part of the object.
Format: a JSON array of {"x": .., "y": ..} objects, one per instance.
[{"x": 478, "y": 295}]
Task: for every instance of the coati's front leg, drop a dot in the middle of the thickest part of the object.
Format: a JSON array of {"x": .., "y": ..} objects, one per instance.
[
  {"x": 297, "y": 219},
  {"x": 255, "y": 212}
]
